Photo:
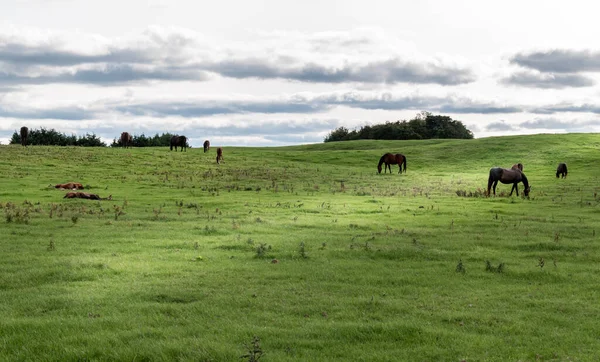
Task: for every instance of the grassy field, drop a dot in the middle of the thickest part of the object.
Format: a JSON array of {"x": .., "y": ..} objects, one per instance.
[{"x": 306, "y": 248}]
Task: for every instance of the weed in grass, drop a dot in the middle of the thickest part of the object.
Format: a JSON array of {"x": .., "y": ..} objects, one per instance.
[
  {"x": 157, "y": 212},
  {"x": 51, "y": 246},
  {"x": 323, "y": 245},
  {"x": 460, "y": 267},
  {"x": 74, "y": 219},
  {"x": 255, "y": 352},
  {"x": 302, "y": 251},
  {"x": 541, "y": 262},
  {"x": 489, "y": 268},
  {"x": 262, "y": 249},
  {"x": 196, "y": 245},
  {"x": 118, "y": 211},
  {"x": 250, "y": 241},
  {"x": 556, "y": 236}
]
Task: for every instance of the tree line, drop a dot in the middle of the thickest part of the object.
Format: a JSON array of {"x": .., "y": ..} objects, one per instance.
[
  {"x": 424, "y": 126},
  {"x": 45, "y": 137}
]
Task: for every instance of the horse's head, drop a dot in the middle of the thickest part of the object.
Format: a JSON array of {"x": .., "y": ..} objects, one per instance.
[
  {"x": 526, "y": 191},
  {"x": 378, "y": 168}
]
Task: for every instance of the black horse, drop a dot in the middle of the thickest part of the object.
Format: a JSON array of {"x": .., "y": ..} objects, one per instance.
[
  {"x": 561, "y": 170},
  {"x": 24, "y": 134},
  {"x": 126, "y": 139},
  {"x": 206, "y": 146},
  {"x": 391, "y": 159},
  {"x": 179, "y": 141},
  {"x": 506, "y": 176}
]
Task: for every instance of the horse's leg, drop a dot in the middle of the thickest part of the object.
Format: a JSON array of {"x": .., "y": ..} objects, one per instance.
[{"x": 495, "y": 184}]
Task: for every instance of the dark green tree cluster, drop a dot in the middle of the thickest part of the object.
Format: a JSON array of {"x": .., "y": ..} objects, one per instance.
[
  {"x": 44, "y": 137},
  {"x": 146, "y": 141},
  {"x": 424, "y": 126}
]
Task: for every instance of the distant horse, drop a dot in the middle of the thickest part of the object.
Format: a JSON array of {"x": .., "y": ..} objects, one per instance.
[
  {"x": 24, "y": 134},
  {"x": 507, "y": 176},
  {"x": 561, "y": 170},
  {"x": 85, "y": 195},
  {"x": 126, "y": 140},
  {"x": 219, "y": 155},
  {"x": 179, "y": 141},
  {"x": 206, "y": 146},
  {"x": 517, "y": 166},
  {"x": 69, "y": 186},
  {"x": 391, "y": 159}
]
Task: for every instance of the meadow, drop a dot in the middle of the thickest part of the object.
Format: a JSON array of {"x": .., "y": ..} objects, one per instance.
[{"x": 301, "y": 253}]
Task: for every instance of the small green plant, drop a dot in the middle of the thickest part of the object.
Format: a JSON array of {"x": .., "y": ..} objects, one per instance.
[
  {"x": 460, "y": 267},
  {"x": 541, "y": 262},
  {"x": 302, "y": 251},
  {"x": 262, "y": 249},
  {"x": 255, "y": 352},
  {"x": 74, "y": 219},
  {"x": 51, "y": 246}
]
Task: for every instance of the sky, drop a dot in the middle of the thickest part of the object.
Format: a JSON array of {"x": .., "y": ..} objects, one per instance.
[{"x": 274, "y": 73}]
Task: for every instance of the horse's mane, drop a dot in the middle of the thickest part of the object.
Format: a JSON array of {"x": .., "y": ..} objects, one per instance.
[{"x": 524, "y": 179}]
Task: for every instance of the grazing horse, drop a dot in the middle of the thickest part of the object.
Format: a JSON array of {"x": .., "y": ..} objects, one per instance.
[
  {"x": 126, "y": 140},
  {"x": 85, "y": 195},
  {"x": 517, "y": 166},
  {"x": 69, "y": 186},
  {"x": 391, "y": 159},
  {"x": 24, "y": 134},
  {"x": 219, "y": 155},
  {"x": 206, "y": 146},
  {"x": 179, "y": 141},
  {"x": 561, "y": 170},
  {"x": 507, "y": 176}
]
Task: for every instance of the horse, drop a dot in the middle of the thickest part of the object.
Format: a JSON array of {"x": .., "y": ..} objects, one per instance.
[
  {"x": 206, "y": 146},
  {"x": 85, "y": 195},
  {"x": 126, "y": 139},
  {"x": 69, "y": 186},
  {"x": 24, "y": 134},
  {"x": 561, "y": 170},
  {"x": 179, "y": 141},
  {"x": 517, "y": 166},
  {"x": 507, "y": 176},
  {"x": 391, "y": 159},
  {"x": 219, "y": 155}
]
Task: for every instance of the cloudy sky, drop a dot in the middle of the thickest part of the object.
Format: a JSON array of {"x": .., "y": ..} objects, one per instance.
[{"x": 277, "y": 72}]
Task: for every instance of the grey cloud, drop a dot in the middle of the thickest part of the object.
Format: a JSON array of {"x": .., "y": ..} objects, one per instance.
[
  {"x": 544, "y": 80},
  {"x": 108, "y": 75},
  {"x": 65, "y": 113},
  {"x": 585, "y": 108},
  {"x": 208, "y": 108},
  {"x": 500, "y": 126},
  {"x": 28, "y": 55},
  {"x": 559, "y": 61},
  {"x": 552, "y": 123},
  {"x": 389, "y": 71}
]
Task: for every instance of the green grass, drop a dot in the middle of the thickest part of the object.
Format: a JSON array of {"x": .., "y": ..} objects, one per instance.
[{"x": 179, "y": 265}]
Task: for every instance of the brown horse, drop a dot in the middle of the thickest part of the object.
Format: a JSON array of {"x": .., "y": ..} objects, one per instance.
[
  {"x": 24, "y": 134},
  {"x": 206, "y": 146},
  {"x": 391, "y": 159},
  {"x": 507, "y": 176},
  {"x": 179, "y": 141},
  {"x": 85, "y": 195},
  {"x": 126, "y": 139},
  {"x": 517, "y": 166},
  {"x": 69, "y": 186},
  {"x": 219, "y": 155},
  {"x": 561, "y": 170}
]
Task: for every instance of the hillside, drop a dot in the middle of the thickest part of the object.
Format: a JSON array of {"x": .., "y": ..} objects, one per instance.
[{"x": 305, "y": 247}]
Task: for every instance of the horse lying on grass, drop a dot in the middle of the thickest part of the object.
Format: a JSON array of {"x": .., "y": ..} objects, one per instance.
[
  {"x": 69, "y": 186},
  {"x": 85, "y": 195}
]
